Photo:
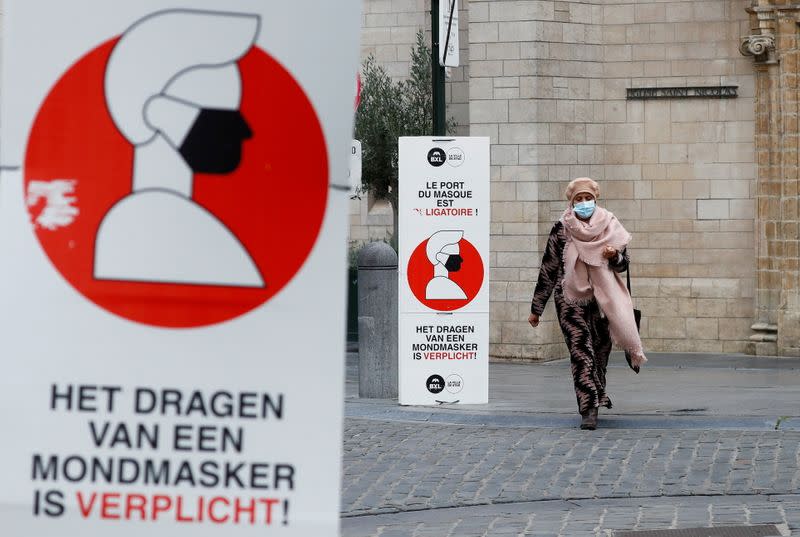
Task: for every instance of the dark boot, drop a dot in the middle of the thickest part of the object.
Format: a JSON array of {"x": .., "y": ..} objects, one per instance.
[{"x": 589, "y": 419}]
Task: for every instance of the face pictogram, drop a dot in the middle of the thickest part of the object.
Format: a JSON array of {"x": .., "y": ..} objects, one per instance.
[
  {"x": 157, "y": 184},
  {"x": 445, "y": 272}
]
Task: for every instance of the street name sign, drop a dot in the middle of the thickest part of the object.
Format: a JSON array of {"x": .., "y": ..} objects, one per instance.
[{"x": 448, "y": 34}]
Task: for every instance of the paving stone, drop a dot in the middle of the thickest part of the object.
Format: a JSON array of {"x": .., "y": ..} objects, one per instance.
[
  {"x": 394, "y": 468},
  {"x": 595, "y": 518}
]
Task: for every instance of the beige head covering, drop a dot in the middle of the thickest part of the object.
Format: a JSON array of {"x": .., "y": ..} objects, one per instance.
[{"x": 582, "y": 184}]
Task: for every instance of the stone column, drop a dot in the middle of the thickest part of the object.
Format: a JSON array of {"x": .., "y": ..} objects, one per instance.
[
  {"x": 774, "y": 44},
  {"x": 377, "y": 321}
]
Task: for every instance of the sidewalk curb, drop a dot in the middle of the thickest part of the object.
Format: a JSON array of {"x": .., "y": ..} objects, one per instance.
[{"x": 390, "y": 411}]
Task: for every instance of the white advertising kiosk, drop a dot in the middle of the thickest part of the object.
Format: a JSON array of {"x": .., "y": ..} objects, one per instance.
[
  {"x": 444, "y": 271},
  {"x": 164, "y": 359}
]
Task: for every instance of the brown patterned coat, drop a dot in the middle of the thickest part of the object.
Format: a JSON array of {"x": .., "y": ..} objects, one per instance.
[{"x": 585, "y": 329}]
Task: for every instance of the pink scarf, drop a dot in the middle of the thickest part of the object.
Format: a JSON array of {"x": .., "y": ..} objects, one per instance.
[{"x": 587, "y": 275}]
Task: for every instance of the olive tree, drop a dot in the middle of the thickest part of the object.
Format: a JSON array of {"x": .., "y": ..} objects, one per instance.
[{"x": 389, "y": 110}]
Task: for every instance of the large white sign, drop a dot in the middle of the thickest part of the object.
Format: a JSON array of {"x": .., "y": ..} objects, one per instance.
[
  {"x": 449, "y": 51},
  {"x": 444, "y": 270},
  {"x": 164, "y": 357}
]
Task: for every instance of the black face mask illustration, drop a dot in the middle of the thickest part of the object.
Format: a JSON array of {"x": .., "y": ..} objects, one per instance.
[
  {"x": 454, "y": 263},
  {"x": 214, "y": 144}
]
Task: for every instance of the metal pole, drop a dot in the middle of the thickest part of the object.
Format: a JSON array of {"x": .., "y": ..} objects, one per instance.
[{"x": 438, "y": 76}]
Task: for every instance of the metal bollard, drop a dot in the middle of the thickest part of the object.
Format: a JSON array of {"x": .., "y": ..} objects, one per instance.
[{"x": 377, "y": 321}]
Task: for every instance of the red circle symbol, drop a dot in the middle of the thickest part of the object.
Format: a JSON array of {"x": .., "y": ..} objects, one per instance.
[
  {"x": 273, "y": 202},
  {"x": 434, "y": 291}
]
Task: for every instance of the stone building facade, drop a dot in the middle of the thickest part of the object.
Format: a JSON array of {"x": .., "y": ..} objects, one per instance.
[
  {"x": 774, "y": 47},
  {"x": 707, "y": 186},
  {"x": 548, "y": 84}
]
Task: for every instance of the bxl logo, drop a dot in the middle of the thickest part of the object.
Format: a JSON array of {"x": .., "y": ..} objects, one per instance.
[{"x": 436, "y": 157}]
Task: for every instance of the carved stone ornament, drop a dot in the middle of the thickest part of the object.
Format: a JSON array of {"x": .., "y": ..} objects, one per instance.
[{"x": 757, "y": 45}]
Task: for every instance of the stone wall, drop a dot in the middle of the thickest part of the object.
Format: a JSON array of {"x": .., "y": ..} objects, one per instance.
[
  {"x": 548, "y": 85},
  {"x": 389, "y": 32}
]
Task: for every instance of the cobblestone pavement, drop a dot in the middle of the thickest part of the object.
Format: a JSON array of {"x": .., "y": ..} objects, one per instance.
[
  {"x": 440, "y": 480},
  {"x": 582, "y": 518}
]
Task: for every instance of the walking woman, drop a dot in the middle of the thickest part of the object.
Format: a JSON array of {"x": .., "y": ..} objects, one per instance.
[{"x": 585, "y": 254}]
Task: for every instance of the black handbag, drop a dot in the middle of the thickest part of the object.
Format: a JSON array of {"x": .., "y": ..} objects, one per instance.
[{"x": 637, "y": 314}]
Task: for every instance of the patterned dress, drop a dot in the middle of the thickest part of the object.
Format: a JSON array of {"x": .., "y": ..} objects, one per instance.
[{"x": 585, "y": 330}]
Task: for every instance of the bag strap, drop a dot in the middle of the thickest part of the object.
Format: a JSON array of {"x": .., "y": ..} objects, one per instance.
[{"x": 628, "y": 274}]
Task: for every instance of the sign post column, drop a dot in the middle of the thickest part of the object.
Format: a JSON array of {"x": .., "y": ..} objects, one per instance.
[{"x": 444, "y": 271}]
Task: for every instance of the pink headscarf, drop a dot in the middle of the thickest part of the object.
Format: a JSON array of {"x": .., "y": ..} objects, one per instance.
[{"x": 587, "y": 275}]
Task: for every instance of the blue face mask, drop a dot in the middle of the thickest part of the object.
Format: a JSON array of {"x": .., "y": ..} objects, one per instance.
[{"x": 585, "y": 209}]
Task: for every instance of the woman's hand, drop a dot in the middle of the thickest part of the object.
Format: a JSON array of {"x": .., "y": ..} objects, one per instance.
[
  {"x": 534, "y": 320},
  {"x": 610, "y": 252}
]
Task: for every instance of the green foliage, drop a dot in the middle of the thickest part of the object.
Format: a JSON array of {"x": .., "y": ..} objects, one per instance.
[
  {"x": 388, "y": 111},
  {"x": 378, "y": 120},
  {"x": 417, "y": 91}
]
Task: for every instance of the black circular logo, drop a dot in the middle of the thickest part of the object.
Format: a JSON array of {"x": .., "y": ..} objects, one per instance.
[
  {"x": 437, "y": 157},
  {"x": 435, "y": 384}
]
